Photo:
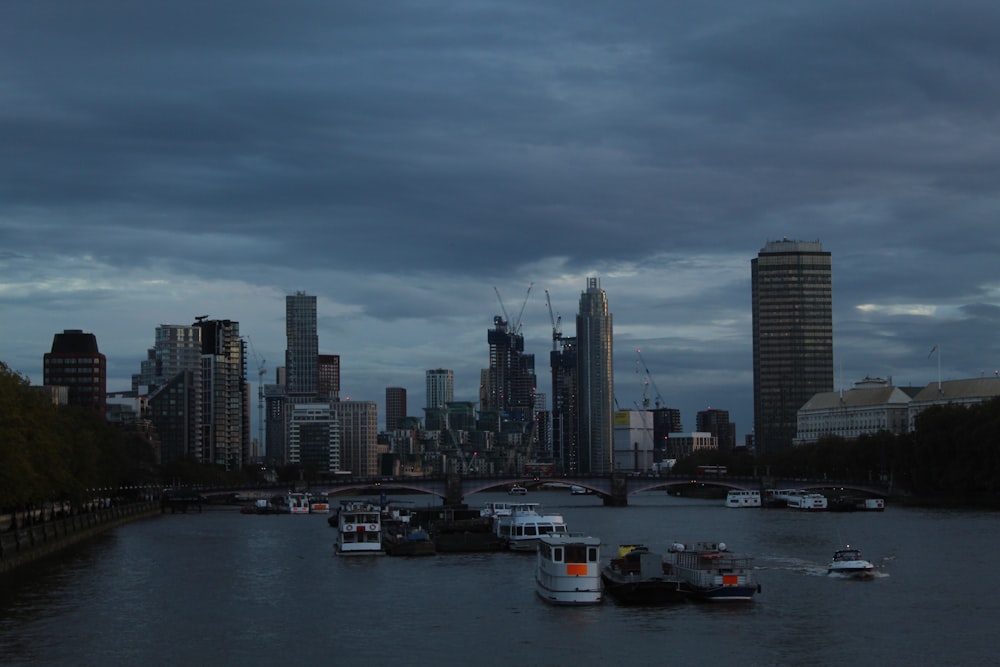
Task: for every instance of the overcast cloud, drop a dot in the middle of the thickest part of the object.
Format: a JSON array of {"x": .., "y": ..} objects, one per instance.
[{"x": 160, "y": 161}]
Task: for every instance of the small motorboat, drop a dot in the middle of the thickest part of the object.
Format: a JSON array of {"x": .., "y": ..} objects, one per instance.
[{"x": 850, "y": 563}]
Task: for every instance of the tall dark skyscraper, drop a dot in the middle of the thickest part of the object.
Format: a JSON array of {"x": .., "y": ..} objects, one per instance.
[
  {"x": 595, "y": 374},
  {"x": 395, "y": 407},
  {"x": 562, "y": 361},
  {"x": 510, "y": 382},
  {"x": 302, "y": 347},
  {"x": 75, "y": 362},
  {"x": 792, "y": 336}
]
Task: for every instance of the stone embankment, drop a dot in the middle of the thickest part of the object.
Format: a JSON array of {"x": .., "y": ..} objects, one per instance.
[{"x": 26, "y": 539}]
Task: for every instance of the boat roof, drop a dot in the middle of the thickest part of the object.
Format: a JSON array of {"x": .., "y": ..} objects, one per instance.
[{"x": 570, "y": 538}]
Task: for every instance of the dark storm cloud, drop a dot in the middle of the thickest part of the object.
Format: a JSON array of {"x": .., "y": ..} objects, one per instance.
[{"x": 401, "y": 159}]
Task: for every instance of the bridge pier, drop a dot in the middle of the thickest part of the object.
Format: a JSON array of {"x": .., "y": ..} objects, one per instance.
[
  {"x": 619, "y": 491},
  {"x": 453, "y": 489}
]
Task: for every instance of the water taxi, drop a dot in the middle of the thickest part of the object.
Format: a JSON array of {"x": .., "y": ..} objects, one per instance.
[
  {"x": 359, "y": 529},
  {"x": 711, "y": 572},
  {"x": 742, "y": 498},
  {"x": 568, "y": 569}
]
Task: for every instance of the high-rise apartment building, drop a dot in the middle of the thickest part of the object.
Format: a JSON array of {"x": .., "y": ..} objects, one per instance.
[
  {"x": 302, "y": 346},
  {"x": 440, "y": 387},
  {"x": 358, "y": 436},
  {"x": 792, "y": 336},
  {"x": 76, "y": 363},
  {"x": 176, "y": 348},
  {"x": 562, "y": 362},
  {"x": 395, "y": 407},
  {"x": 224, "y": 395},
  {"x": 717, "y": 423},
  {"x": 314, "y": 437},
  {"x": 329, "y": 377},
  {"x": 595, "y": 375}
]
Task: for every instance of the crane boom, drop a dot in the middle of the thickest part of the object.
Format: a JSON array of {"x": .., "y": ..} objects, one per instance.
[
  {"x": 517, "y": 323},
  {"x": 556, "y": 334},
  {"x": 502, "y": 309},
  {"x": 659, "y": 399}
]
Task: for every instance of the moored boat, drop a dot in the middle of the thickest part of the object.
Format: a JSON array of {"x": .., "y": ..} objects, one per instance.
[
  {"x": 319, "y": 505},
  {"x": 460, "y": 530},
  {"x": 799, "y": 499},
  {"x": 359, "y": 528},
  {"x": 568, "y": 569},
  {"x": 640, "y": 576},
  {"x": 522, "y": 529},
  {"x": 711, "y": 572},
  {"x": 856, "y": 504},
  {"x": 743, "y": 498},
  {"x": 298, "y": 503},
  {"x": 517, "y": 490},
  {"x": 849, "y": 562},
  {"x": 407, "y": 541}
]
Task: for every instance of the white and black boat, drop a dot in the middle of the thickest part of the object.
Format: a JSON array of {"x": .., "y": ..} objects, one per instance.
[
  {"x": 359, "y": 529},
  {"x": 639, "y": 576},
  {"x": 713, "y": 573},
  {"x": 848, "y": 562},
  {"x": 568, "y": 569}
]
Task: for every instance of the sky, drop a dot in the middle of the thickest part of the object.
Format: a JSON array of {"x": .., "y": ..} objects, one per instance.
[{"x": 406, "y": 162}]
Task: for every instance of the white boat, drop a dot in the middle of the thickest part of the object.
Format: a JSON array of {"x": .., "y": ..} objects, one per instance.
[
  {"x": 319, "y": 505},
  {"x": 578, "y": 490},
  {"x": 742, "y": 498},
  {"x": 298, "y": 503},
  {"x": 517, "y": 490},
  {"x": 849, "y": 562},
  {"x": 359, "y": 529},
  {"x": 711, "y": 572},
  {"x": 497, "y": 508},
  {"x": 521, "y": 529},
  {"x": 799, "y": 499},
  {"x": 808, "y": 501},
  {"x": 569, "y": 569}
]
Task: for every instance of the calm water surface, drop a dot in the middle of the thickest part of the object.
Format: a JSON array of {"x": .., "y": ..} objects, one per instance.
[{"x": 221, "y": 588}]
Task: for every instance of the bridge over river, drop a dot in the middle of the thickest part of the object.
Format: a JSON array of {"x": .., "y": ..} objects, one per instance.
[{"x": 613, "y": 489}]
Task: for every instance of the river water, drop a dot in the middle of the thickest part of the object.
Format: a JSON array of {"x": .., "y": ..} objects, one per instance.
[{"x": 222, "y": 588}]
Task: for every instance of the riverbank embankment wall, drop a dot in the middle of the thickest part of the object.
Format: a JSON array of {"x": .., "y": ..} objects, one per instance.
[{"x": 22, "y": 544}]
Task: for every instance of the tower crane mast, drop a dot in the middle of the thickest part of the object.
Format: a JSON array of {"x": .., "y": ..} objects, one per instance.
[
  {"x": 649, "y": 377},
  {"x": 556, "y": 320},
  {"x": 261, "y": 370}
]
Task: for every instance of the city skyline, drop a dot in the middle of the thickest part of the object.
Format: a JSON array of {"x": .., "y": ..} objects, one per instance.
[{"x": 402, "y": 165}]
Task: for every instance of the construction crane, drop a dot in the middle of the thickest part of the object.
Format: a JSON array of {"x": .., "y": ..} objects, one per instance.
[
  {"x": 556, "y": 321},
  {"x": 645, "y": 387},
  {"x": 261, "y": 370},
  {"x": 649, "y": 377},
  {"x": 502, "y": 309},
  {"x": 515, "y": 326}
]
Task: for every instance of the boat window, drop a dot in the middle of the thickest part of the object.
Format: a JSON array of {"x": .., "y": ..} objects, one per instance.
[
  {"x": 576, "y": 553},
  {"x": 557, "y": 554},
  {"x": 592, "y": 554},
  {"x": 531, "y": 530}
]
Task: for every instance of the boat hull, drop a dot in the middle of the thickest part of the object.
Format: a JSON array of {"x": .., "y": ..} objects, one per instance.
[
  {"x": 643, "y": 591},
  {"x": 584, "y": 596}
]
